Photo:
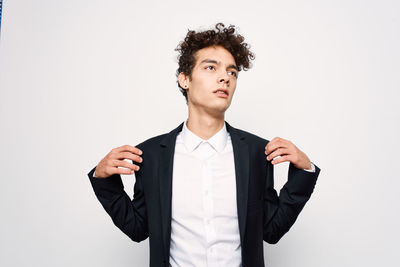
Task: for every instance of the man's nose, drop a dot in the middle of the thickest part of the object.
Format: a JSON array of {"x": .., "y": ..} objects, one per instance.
[{"x": 224, "y": 78}]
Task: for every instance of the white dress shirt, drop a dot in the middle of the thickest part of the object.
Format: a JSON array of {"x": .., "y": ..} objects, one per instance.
[{"x": 204, "y": 220}]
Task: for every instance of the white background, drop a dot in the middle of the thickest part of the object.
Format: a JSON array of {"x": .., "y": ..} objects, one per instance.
[{"x": 78, "y": 78}]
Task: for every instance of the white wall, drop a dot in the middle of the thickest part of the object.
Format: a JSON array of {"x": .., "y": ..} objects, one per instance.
[{"x": 78, "y": 78}]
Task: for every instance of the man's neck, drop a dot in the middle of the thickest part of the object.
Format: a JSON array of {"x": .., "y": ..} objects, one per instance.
[{"x": 205, "y": 126}]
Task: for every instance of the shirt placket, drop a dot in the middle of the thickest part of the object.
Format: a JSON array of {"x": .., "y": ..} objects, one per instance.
[{"x": 208, "y": 205}]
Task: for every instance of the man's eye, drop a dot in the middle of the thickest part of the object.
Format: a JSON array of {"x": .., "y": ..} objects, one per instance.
[
  {"x": 233, "y": 73},
  {"x": 210, "y": 67}
]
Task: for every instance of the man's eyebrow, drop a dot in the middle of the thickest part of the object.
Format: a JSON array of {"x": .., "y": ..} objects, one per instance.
[
  {"x": 216, "y": 62},
  {"x": 233, "y": 67},
  {"x": 209, "y": 61}
]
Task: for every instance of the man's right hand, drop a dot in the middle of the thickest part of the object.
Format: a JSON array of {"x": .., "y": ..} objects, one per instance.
[{"x": 112, "y": 162}]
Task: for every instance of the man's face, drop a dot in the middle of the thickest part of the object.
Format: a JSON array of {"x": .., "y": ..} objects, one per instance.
[{"x": 213, "y": 80}]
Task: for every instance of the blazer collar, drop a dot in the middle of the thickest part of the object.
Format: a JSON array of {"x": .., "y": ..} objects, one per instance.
[{"x": 165, "y": 171}]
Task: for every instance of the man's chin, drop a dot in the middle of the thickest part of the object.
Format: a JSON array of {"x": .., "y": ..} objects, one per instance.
[
  {"x": 217, "y": 109},
  {"x": 220, "y": 109}
]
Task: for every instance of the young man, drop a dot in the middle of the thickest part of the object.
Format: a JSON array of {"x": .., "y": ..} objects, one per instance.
[{"x": 204, "y": 192}]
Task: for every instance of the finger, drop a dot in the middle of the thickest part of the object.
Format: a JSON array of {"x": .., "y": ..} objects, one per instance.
[
  {"x": 128, "y": 148},
  {"x": 122, "y": 171},
  {"x": 276, "y": 138},
  {"x": 281, "y": 159},
  {"x": 115, "y": 170},
  {"x": 129, "y": 155},
  {"x": 125, "y": 164},
  {"x": 273, "y": 145},
  {"x": 278, "y": 152}
]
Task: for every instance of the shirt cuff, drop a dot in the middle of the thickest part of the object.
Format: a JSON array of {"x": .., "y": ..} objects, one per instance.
[{"x": 312, "y": 168}]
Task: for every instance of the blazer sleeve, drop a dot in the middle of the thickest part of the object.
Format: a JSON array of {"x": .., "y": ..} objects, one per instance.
[
  {"x": 281, "y": 212},
  {"x": 128, "y": 215}
]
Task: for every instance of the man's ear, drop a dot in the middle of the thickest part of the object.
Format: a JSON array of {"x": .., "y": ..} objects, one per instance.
[{"x": 183, "y": 80}]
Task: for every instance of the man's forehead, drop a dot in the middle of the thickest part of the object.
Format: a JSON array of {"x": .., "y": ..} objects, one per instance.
[{"x": 218, "y": 54}]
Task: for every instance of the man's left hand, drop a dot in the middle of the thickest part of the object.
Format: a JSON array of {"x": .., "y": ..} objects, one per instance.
[{"x": 280, "y": 150}]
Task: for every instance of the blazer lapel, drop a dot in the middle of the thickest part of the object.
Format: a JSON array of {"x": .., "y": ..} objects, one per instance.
[
  {"x": 241, "y": 158},
  {"x": 166, "y": 162}
]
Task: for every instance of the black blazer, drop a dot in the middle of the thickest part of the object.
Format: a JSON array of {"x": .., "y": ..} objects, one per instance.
[{"x": 262, "y": 214}]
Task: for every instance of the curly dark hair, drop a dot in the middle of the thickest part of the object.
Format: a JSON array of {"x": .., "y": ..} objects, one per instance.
[{"x": 220, "y": 36}]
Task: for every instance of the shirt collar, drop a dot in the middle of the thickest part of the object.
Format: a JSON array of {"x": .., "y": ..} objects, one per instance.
[{"x": 217, "y": 141}]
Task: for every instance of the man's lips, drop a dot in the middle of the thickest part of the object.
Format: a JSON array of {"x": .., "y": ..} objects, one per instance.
[{"x": 222, "y": 92}]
